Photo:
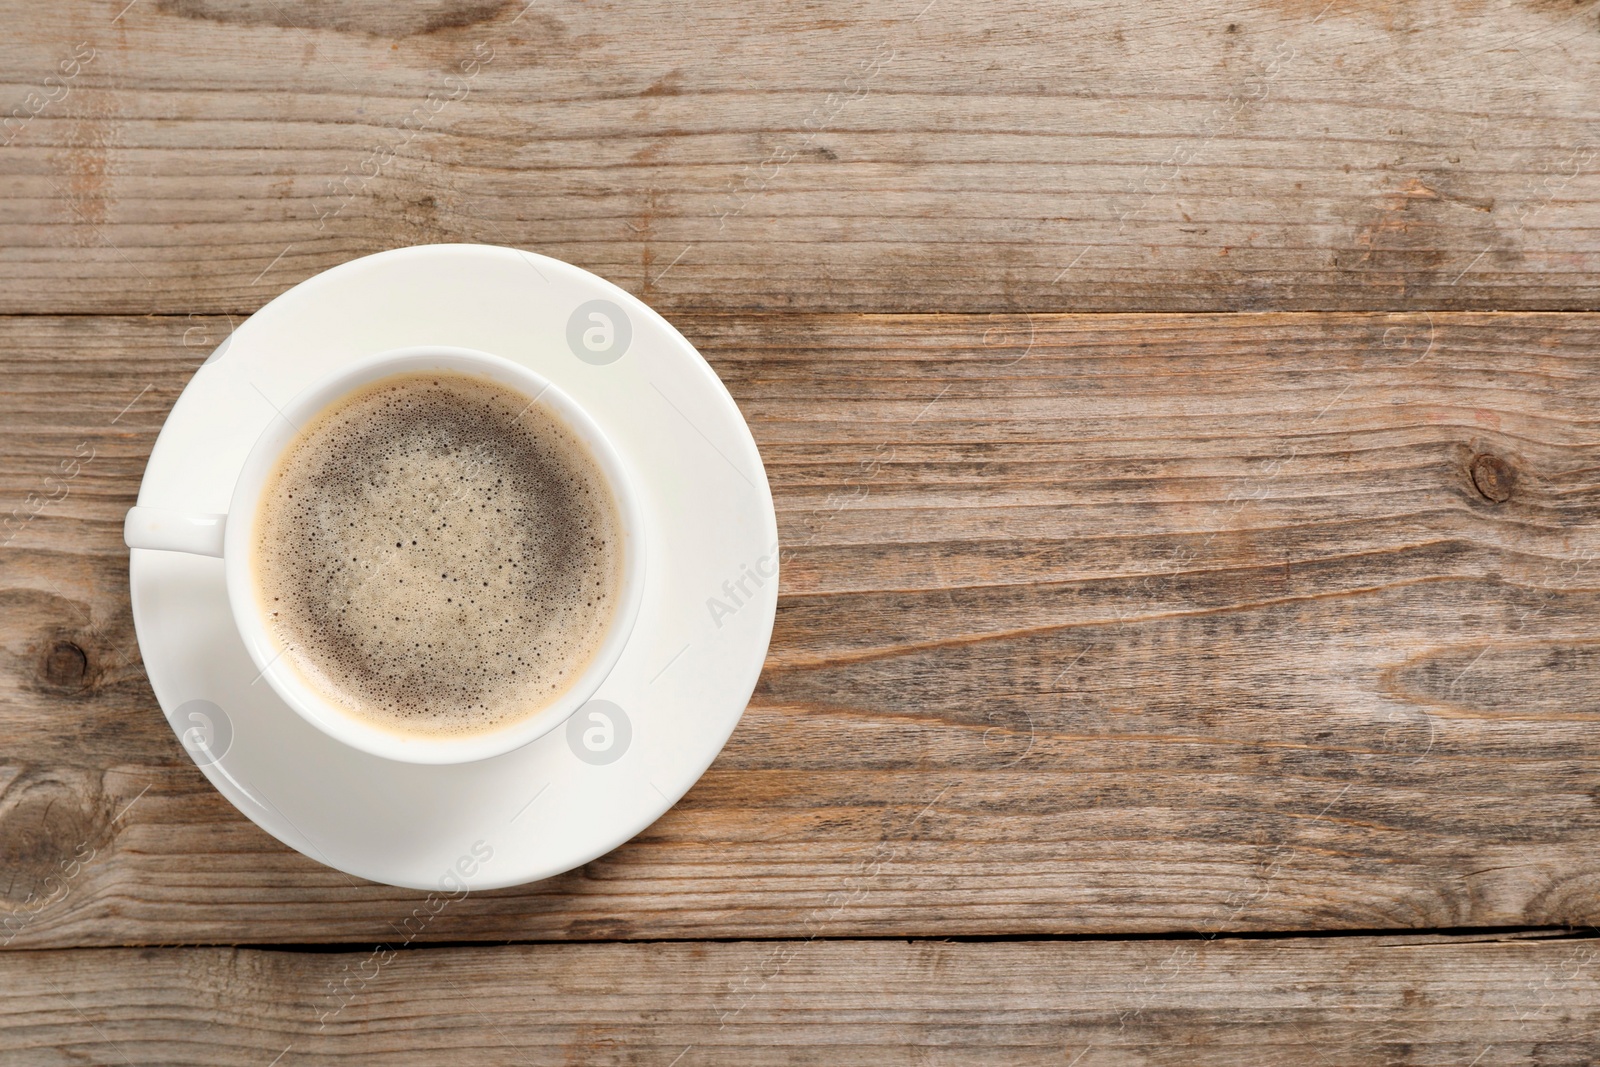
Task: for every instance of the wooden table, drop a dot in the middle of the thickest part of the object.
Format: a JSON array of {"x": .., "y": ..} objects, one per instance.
[{"x": 1183, "y": 420}]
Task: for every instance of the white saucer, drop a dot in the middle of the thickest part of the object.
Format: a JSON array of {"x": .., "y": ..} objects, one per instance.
[{"x": 685, "y": 676}]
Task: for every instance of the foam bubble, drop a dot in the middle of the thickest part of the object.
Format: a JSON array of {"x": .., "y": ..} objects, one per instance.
[{"x": 437, "y": 555}]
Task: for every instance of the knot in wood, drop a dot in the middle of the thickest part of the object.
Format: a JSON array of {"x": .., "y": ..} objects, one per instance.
[
  {"x": 66, "y": 665},
  {"x": 1493, "y": 477}
]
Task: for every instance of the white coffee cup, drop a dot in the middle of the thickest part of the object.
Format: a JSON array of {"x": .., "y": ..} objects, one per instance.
[{"x": 230, "y": 537}]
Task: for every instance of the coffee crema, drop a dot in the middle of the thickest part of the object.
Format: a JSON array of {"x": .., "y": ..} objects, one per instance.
[{"x": 438, "y": 555}]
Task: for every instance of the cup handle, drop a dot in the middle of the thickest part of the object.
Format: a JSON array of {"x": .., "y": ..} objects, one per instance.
[{"x": 174, "y": 531}]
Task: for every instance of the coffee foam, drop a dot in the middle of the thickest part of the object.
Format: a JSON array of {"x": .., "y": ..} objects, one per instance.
[{"x": 438, "y": 555}]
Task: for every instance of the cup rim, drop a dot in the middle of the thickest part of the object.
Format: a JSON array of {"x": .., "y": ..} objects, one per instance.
[{"x": 267, "y": 654}]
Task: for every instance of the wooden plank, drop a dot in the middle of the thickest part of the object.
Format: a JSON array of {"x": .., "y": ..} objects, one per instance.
[
  {"x": 1350, "y": 1001},
  {"x": 1088, "y": 624},
  {"x": 891, "y": 155}
]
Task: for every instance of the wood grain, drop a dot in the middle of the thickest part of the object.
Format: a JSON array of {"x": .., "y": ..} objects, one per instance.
[
  {"x": 1346, "y": 1001},
  {"x": 1088, "y": 624},
  {"x": 888, "y": 156}
]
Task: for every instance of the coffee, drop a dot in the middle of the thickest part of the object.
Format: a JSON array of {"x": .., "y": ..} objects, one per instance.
[{"x": 438, "y": 555}]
